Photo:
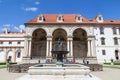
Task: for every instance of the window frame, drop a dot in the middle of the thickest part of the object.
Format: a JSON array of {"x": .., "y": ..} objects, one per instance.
[
  {"x": 114, "y": 30},
  {"x": 102, "y": 41},
  {"x": 104, "y": 52},
  {"x": 115, "y": 41},
  {"x": 101, "y": 30},
  {"x": 10, "y": 42}
]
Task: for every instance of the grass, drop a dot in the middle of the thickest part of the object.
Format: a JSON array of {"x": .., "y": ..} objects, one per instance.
[
  {"x": 112, "y": 66},
  {"x": 3, "y": 66}
]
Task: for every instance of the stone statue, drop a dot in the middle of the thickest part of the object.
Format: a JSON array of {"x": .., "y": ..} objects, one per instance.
[{"x": 60, "y": 44}]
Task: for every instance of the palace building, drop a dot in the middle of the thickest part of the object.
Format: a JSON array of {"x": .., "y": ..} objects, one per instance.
[{"x": 96, "y": 40}]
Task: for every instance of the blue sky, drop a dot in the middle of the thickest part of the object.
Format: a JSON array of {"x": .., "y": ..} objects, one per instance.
[{"x": 14, "y": 13}]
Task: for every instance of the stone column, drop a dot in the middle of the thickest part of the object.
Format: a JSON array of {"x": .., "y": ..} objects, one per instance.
[
  {"x": 89, "y": 49},
  {"x": 14, "y": 57},
  {"x": 93, "y": 48},
  {"x": 70, "y": 46},
  {"x": 49, "y": 47},
  {"x": 26, "y": 48},
  {"x": 5, "y": 54},
  {"x": 29, "y": 47}
]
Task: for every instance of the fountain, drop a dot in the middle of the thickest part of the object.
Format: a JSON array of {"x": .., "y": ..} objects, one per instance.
[
  {"x": 59, "y": 52},
  {"x": 59, "y": 71}
]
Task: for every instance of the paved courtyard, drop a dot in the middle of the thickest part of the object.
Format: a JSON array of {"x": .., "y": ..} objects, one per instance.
[{"x": 107, "y": 74}]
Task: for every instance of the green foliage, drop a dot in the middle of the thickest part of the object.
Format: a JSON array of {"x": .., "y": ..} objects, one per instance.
[
  {"x": 1, "y": 67},
  {"x": 4, "y": 63},
  {"x": 107, "y": 63},
  {"x": 116, "y": 63}
]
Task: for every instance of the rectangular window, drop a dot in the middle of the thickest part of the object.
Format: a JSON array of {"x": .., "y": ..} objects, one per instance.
[
  {"x": 10, "y": 42},
  {"x": 102, "y": 41},
  {"x": 119, "y": 30},
  {"x": 103, "y": 52},
  {"x": 115, "y": 41},
  {"x": 18, "y": 55},
  {"x": 101, "y": 30},
  {"x": 18, "y": 42},
  {"x": 114, "y": 31}
]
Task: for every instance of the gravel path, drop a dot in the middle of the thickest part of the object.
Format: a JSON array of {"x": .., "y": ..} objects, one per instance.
[
  {"x": 108, "y": 74},
  {"x": 5, "y": 75}
]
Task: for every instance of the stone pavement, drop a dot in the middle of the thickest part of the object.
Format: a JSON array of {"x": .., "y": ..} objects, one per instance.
[
  {"x": 107, "y": 74},
  {"x": 5, "y": 75}
]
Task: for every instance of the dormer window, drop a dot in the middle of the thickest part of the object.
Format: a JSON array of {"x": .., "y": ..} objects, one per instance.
[
  {"x": 99, "y": 18},
  {"x": 59, "y": 18},
  {"x": 78, "y": 18},
  {"x": 40, "y": 18}
]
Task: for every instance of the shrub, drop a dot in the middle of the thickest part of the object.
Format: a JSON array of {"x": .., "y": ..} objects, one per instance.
[
  {"x": 4, "y": 63},
  {"x": 107, "y": 63},
  {"x": 116, "y": 63}
]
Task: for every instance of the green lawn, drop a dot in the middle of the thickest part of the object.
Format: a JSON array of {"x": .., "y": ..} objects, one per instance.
[
  {"x": 112, "y": 66},
  {"x": 3, "y": 66}
]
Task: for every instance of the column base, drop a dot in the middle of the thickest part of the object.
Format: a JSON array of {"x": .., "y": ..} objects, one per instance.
[
  {"x": 92, "y": 59},
  {"x": 70, "y": 58},
  {"x": 48, "y": 57}
]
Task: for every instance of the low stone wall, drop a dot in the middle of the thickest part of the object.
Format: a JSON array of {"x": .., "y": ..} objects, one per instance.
[
  {"x": 95, "y": 67},
  {"x": 20, "y": 67}
]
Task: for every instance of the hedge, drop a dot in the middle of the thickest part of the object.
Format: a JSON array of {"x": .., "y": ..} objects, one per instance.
[
  {"x": 4, "y": 63},
  {"x": 116, "y": 63},
  {"x": 107, "y": 63}
]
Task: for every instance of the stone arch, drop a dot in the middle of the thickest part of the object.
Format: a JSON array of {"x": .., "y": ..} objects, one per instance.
[
  {"x": 85, "y": 29},
  {"x": 38, "y": 46},
  {"x": 34, "y": 29},
  {"x": 2, "y": 55},
  {"x": 79, "y": 43},
  {"x": 18, "y": 55},
  {"x": 56, "y": 28},
  {"x": 10, "y": 55},
  {"x": 59, "y": 34}
]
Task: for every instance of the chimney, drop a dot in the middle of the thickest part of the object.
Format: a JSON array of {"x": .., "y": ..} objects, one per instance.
[
  {"x": 21, "y": 31},
  {"x": 6, "y": 31}
]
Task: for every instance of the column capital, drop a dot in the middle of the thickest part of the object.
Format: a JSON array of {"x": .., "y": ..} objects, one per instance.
[
  {"x": 92, "y": 37},
  {"x": 69, "y": 37},
  {"x": 49, "y": 37}
]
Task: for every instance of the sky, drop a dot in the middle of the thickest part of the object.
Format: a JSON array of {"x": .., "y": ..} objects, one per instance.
[{"x": 14, "y": 13}]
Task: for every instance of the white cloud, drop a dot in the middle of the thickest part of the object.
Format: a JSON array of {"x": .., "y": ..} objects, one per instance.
[
  {"x": 7, "y": 25},
  {"x": 16, "y": 28},
  {"x": 37, "y": 3},
  {"x": 21, "y": 27},
  {"x": 30, "y": 9}
]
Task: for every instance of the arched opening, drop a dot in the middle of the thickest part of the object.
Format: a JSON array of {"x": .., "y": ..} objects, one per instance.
[
  {"x": 10, "y": 56},
  {"x": 61, "y": 35},
  {"x": 18, "y": 56},
  {"x": 38, "y": 48},
  {"x": 79, "y": 43},
  {"x": 116, "y": 55}
]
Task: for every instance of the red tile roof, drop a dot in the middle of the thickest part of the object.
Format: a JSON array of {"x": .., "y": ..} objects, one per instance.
[{"x": 68, "y": 19}]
